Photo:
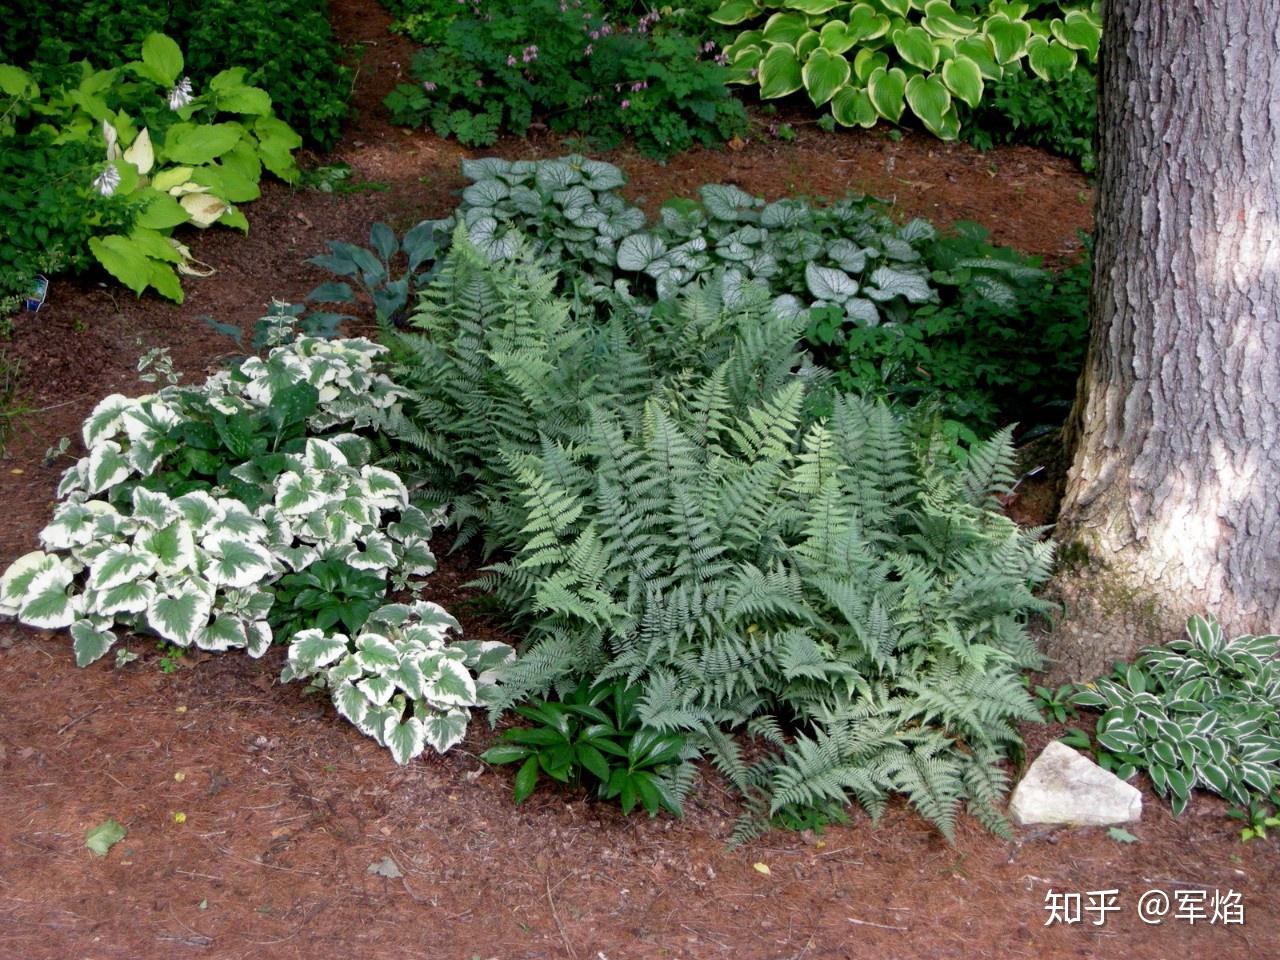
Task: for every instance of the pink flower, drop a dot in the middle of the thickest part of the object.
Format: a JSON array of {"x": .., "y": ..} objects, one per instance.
[
  {"x": 511, "y": 61},
  {"x": 428, "y": 86},
  {"x": 625, "y": 104},
  {"x": 587, "y": 52}
]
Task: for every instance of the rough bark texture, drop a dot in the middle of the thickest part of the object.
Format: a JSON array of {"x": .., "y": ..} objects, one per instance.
[{"x": 1175, "y": 485}]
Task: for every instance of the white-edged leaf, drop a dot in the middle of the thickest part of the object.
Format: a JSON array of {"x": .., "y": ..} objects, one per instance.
[
  {"x": 119, "y": 564},
  {"x": 133, "y": 597},
  {"x": 173, "y": 547},
  {"x": 350, "y": 702},
  {"x": 379, "y": 690},
  {"x": 200, "y": 510},
  {"x": 446, "y": 729},
  {"x": 107, "y": 466},
  {"x": 237, "y": 563},
  {"x": 451, "y": 685},
  {"x": 90, "y": 641},
  {"x": 181, "y": 614},
  {"x": 312, "y": 649},
  {"x": 384, "y": 489},
  {"x": 377, "y": 554},
  {"x": 223, "y": 634},
  {"x": 257, "y": 638},
  {"x": 375, "y": 653},
  {"x": 152, "y": 509},
  {"x": 405, "y": 740},
  {"x": 106, "y": 419}
]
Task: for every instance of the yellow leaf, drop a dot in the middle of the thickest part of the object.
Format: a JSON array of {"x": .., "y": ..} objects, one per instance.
[
  {"x": 179, "y": 776},
  {"x": 189, "y": 187},
  {"x": 203, "y": 208},
  {"x": 168, "y": 179},
  {"x": 179, "y": 818},
  {"x": 142, "y": 155},
  {"x": 762, "y": 868}
]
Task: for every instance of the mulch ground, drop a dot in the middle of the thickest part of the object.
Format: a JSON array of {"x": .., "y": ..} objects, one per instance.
[{"x": 286, "y": 807}]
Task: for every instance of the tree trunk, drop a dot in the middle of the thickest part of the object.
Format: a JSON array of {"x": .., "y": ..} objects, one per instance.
[{"x": 1174, "y": 491}]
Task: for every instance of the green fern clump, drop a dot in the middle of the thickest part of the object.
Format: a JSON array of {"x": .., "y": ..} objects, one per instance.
[{"x": 672, "y": 513}]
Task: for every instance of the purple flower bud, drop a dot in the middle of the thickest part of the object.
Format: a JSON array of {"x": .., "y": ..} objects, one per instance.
[
  {"x": 625, "y": 104},
  {"x": 511, "y": 61}
]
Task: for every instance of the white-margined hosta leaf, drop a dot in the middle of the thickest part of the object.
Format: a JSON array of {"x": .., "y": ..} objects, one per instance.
[
  {"x": 409, "y": 678},
  {"x": 73, "y": 525},
  {"x": 152, "y": 509},
  {"x": 414, "y": 558},
  {"x": 173, "y": 547},
  {"x": 376, "y": 653},
  {"x": 17, "y": 580},
  {"x": 257, "y": 637},
  {"x": 348, "y": 668},
  {"x": 383, "y": 488},
  {"x": 312, "y": 649},
  {"x": 376, "y": 554},
  {"x": 132, "y": 597},
  {"x": 378, "y": 689},
  {"x": 445, "y": 729},
  {"x": 107, "y": 419},
  {"x": 237, "y": 563},
  {"x": 298, "y": 494},
  {"x": 119, "y": 565},
  {"x": 350, "y": 702},
  {"x": 223, "y": 634},
  {"x": 201, "y": 511},
  {"x": 321, "y": 455},
  {"x": 181, "y": 614},
  {"x": 45, "y": 602},
  {"x": 107, "y": 466},
  {"x": 297, "y": 558},
  {"x": 90, "y": 640},
  {"x": 405, "y": 740},
  {"x": 451, "y": 685}
]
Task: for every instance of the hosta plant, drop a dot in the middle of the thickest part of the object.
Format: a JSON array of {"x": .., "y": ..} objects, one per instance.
[
  {"x": 875, "y": 59},
  {"x": 179, "y": 526},
  {"x": 398, "y": 679},
  {"x": 1199, "y": 712},
  {"x": 174, "y": 155}
]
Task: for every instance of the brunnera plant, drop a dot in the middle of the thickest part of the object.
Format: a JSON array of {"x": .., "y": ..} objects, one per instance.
[{"x": 875, "y": 59}]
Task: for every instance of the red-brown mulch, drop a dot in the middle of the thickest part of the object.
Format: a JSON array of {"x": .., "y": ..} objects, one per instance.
[{"x": 286, "y": 806}]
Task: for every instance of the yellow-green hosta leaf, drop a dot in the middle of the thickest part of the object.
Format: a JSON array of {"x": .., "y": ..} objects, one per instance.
[
  {"x": 813, "y": 7},
  {"x": 104, "y": 836},
  {"x": 226, "y": 183},
  {"x": 941, "y": 20},
  {"x": 866, "y": 61},
  {"x": 165, "y": 280},
  {"x": 233, "y": 95},
  {"x": 1079, "y": 30},
  {"x": 1008, "y": 38},
  {"x": 163, "y": 59},
  {"x": 199, "y": 143},
  {"x": 886, "y": 89},
  {"x": 780, "y": 72},
  {"x": 1013, "y": 9},
  {"x": 159, "y": 211},
  {"x": 900, "y": 7},
  {"x": 867, "y": 24},
  {"x": 835, "y": 36},
  {"x": 806, "y": 44},
  {"x": 964, "y": 79},
  {"x": 174, "y": 176},
  {"x": 140, "y": 153},
  {"x": 930, "y": 101},
  {"x": 203, "y": 208},
  {"x": 824, "y": 73},
  {"x": 276, "y": 143},
  {"x": 785, "y": 27},
  {"x": 916, "y": 47},
  {"x": 1050, "y": 60},
  {"x": 154, "y": 244},
  {"x": 978, "y": 50},
  {"x": 16, "y": 82},
  {"x": 735, "y": 11}
]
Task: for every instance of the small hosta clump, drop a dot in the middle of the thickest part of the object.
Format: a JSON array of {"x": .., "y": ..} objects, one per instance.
[
  {"x": 398, "y": 680},
  {"x": 196, "y": 515}
]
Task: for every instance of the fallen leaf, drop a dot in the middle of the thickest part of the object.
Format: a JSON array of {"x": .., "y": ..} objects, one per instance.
[
  {"x": 104, "y": 836},
  {"x": 179, "y": 776},
  {"x": 179, "y": 817},
  {"x": 1122, "y": 835},
  {"x": 761, "y": 868},
  {"x": 386, "y": 867}
]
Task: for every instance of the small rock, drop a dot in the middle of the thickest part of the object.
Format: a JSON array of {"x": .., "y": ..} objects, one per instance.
[{"x": 1062, "y": 786}]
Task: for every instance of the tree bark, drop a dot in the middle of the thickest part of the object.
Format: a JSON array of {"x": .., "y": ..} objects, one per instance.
[{"x": 1174, "y": 490}]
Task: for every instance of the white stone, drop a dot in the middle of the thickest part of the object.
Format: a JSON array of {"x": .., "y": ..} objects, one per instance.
[{"x": 1062, "y": 786}]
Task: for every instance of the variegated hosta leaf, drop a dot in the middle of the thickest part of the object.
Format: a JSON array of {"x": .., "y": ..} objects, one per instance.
[
  {"x": 298, "y": 494},
  {"x": 36, "y": 576},
  {"x": 237, "y": 563},
  {"x": 257, "y": 638},
  {"x": 376, "y": 554},
  {"x": 223, "y": 634},
  {"x": 445, "y": 729},
  {"x": 132, "y": 597},
  {"x": 107, "y": 467},
  {"x": 152, "y": 509},
  {"x": 182, "y": 614},
  {"x": 451, "y": 685},
  {"x": 90, "y": 641},
  {"x": 383, "y": 488},
  {"x": 351, "y": 703},
  {"x": 405, "y": 740},
  {"x": 379, "y": 690},
  {"x": 202, "y": 512},
  {"x": 107, "y": 419},
  {"x": 375, "y": 653},
  {"x": 173, "y": 548},
  {"x": 119, "y": 565},
  {"x": 313, "y": 649},
  {"x": 73, "y": 525},
  {"x": 321, "y": 455}
]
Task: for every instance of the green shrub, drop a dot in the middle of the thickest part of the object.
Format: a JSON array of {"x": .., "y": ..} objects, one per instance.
[
  {"x": 877, "y": 59},
  {"x": 286, "y": 47},
  {"x": 678, "y": 520},
  {"x": 498, "y": 66},
  {"x": 166, "y": 155},
  {"x": 1060, "y": 116},
  {"x": 1199, "y": 712}
]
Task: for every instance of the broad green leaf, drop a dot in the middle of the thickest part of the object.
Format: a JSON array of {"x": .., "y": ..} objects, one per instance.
[
  {"x": 163, "y": 59},
  {"x": 977, "y": 50},
  {"x": 1050, "y": 60},
  {"x": 867, "y": 24},
  {"x": 526, "y": 779},
  {"x": 16, "y": 82},
  {"x": 964, "y": 79},
  {"x": 195, "y": 144},
  {"x": 808, "y": 42},
  {"x": 825, "y": 283},
  {"x": 785, "y": 28},
  {"x": 813, "y": 7},
  {"x": 160, "y": 211},
  {"x": 867, "y": 61},
  {"x": 852, "y": 106},
  {"x": 1008, "y": 38},
  {"x": 916, "y": 47},
  {"x": 104, "y": 836},
  {"x": 886, "y": 88},
  {"x": 941, "y": 20},
  {"x": 123, "y": 260},
  {"x": 835, "y": 36},
  {"x": 900, "y": 7},
  {"x": 276, "y": 143},
  {"x": 233, "y": 95},
  {"x": 930, "y": 101},
  {"x": 824, "y": 73},
  {"x": 780, "y": 72},
  {"x": 1079, "y": 30}
]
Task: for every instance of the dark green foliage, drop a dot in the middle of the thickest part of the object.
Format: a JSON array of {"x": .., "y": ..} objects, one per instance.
[
  {"x": 287, "y": 47},
  {"x": 327, "y": 594},
  {"x": 49, "y": 210},
  {"x": 1199, "y": 712},
  {"x": 1061, "y": 116},
  {"x": 497, "y": 67},
  {"x": 678, "y": 520},
  {"x": 594, "y": 736}
]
